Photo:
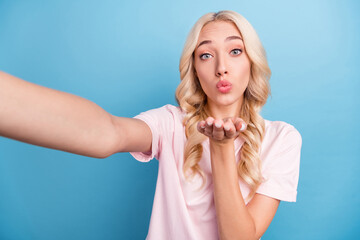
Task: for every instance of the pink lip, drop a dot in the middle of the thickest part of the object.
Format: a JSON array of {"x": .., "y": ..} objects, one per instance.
[{"x": 224, "y": 86}]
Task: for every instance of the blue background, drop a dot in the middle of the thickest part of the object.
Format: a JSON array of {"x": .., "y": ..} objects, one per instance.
[{"x": 124, "y": 56}]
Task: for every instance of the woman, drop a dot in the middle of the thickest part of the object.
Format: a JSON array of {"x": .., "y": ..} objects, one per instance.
[{"x": 223, "y": 169}]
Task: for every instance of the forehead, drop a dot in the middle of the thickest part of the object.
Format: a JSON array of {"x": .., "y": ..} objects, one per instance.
[{"x": 218, "y": 30}]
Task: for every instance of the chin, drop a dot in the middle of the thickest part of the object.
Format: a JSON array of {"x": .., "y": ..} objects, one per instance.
[{"x": 227, "y": 99}]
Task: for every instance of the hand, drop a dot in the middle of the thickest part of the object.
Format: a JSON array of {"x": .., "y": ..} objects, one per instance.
[{"x": 221, "y": 130}]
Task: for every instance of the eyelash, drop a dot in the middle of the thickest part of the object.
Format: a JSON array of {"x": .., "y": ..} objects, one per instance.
[{"x": 201, "y": 56}]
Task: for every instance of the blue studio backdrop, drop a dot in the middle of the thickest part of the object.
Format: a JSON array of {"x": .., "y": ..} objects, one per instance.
[{"x": 124, "y": 56}]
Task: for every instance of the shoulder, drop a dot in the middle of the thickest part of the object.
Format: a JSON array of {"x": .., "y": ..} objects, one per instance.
[
  {"x": 166, "y": 112},
  {"x": 174, "y": 110},
  {"x": 167, "y": 117},
  {"x": 280, "y": 137},
  {"x": 280, "y": 155},
  {"x": 279, "y": 130},
  {"x": 167, "y": 109}
]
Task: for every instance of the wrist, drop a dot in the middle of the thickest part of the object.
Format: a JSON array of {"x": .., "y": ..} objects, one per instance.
[
  {"x": 221, "y": 145},
  {"x": 222, "y": 152}
]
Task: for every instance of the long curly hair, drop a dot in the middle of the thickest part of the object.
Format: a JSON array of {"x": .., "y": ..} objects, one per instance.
[{"x": 192, "y": 100}]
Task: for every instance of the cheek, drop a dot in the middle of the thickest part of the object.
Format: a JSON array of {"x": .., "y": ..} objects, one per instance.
[
  {"x": 204, "y": 85},
  {"x": 202, "y": 70},
  {"x": 203, "y": 73},
  {"x": 202, "y": 76},
  {"x": 244, "y": 71},
  {"x": 246, "y": 74}
]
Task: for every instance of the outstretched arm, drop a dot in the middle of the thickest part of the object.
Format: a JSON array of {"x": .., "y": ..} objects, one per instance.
[{"x": 54, "y": 119}]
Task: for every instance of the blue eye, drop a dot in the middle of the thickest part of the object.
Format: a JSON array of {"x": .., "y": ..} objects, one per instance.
[
  {"x": 205, "y": 56},
  {"x": 237, "y": 51}
]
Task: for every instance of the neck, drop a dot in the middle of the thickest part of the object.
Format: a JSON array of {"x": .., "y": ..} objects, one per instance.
[{"x": 223, "y": 111}]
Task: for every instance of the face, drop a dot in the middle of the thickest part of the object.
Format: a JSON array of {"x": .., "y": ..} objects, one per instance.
[{"x": 222, "y": 65}]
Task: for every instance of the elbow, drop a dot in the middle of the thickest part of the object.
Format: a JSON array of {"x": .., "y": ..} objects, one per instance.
[
  {"x": 250, "y": 234},
  {"x": 102, "y": 156},
  {"x": 107, "y": 150},
  {"x": 111, "y": 145},
  {"x": 247, "y": 237},
  {"x": 253, "y": 236},
  {"x": 110, "y": 142},
  {"x": 257, "y": 235},
  {"x": 94, "y": 153},
  {"x": 104, "y": 148}
]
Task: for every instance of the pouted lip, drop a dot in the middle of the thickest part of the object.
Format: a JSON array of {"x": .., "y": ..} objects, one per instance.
[
  {"x": 224, "y": 86},
  {"x": 223, "y": 83}
]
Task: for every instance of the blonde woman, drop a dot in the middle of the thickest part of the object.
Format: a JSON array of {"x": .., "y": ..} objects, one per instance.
[{"x": 223, "y": 169}]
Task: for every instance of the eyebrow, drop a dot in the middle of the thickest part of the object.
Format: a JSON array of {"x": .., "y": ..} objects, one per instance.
[{"x": 226, "y": 40}]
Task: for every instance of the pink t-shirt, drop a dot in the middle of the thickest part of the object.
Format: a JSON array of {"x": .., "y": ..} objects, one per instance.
[{"x": 180, "y": 211}]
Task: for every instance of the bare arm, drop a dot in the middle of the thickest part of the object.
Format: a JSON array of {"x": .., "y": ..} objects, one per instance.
[
  {"x": 236, "y": 220},
  {"x": 54, "y": 119}
]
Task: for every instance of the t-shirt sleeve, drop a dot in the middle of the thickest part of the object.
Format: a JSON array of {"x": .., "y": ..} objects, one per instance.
[
  {"x": 160, "y": 122},
  {"x": 283, "y": 166}
]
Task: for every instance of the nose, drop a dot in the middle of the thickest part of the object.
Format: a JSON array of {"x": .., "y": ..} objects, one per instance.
[
  {"x": 221, "y": 68},
  {"x": 221, "y": 73}
]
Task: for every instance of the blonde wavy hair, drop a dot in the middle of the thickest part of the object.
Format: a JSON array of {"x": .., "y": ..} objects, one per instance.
[{"x": 192, "y": 100}]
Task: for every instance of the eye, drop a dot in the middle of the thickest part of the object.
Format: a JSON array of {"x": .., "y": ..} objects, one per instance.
[
  {"x": 205, "y": 56},
  {"x": 236, "y": 51}
]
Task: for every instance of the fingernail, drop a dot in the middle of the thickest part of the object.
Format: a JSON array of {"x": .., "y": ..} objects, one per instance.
[
  {"x": 202, "y": 126},
  {"x": 209, "y": 123},
  {"x": 243, "y": 126},
  {"x": 227, "y": 128},
  {"x": 218, "y": 125}
]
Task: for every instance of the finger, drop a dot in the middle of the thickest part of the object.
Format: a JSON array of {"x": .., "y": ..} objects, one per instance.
[
  {"x": 218, "y": 130},
  {"x": 240, "y": 125},
  {"x": 209, "y": 120},
  {"x": 230, "y": 130},
  {"x": 209, "y": 126},
  {"x": 201, "y": 126}
]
